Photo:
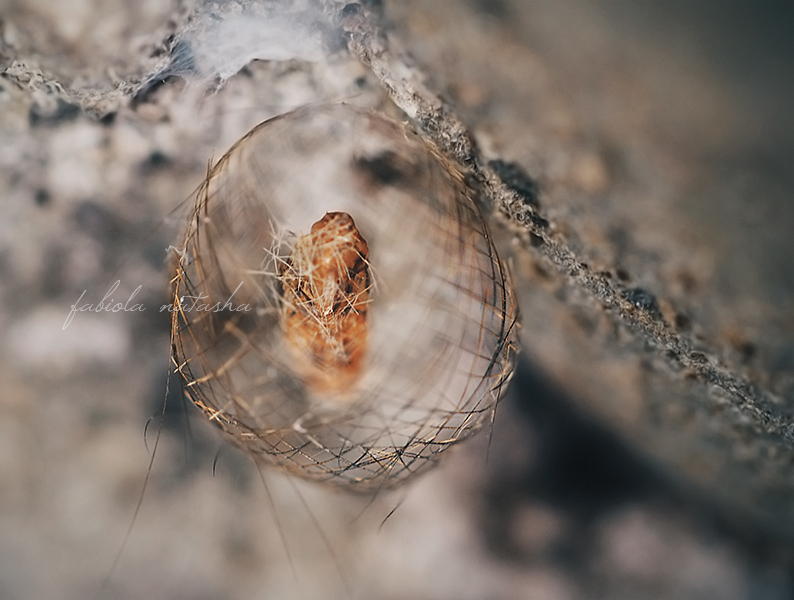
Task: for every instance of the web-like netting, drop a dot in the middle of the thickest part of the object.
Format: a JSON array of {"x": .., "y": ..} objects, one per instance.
[{"x": 423, "y": 320}]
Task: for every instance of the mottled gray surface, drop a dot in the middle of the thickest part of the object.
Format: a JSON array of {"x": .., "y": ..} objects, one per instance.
[{"x": 661, "y": 137}]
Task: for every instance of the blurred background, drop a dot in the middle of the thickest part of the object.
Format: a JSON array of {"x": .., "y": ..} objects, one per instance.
[{"x": 660, "y": 135}]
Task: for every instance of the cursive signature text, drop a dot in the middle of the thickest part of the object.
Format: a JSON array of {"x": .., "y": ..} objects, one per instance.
[{"x": 105, "y": 305}]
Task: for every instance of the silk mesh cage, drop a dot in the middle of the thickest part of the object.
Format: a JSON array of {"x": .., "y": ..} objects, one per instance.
[{"x": 339, "y": 306}]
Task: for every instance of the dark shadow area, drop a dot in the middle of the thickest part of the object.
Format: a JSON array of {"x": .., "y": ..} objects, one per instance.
[
  {"x": 581, "y": 466},
  {"x": 584, "y": 475}
]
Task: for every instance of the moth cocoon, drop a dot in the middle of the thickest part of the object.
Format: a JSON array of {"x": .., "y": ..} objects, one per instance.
[{"x": 381, "y": 326}]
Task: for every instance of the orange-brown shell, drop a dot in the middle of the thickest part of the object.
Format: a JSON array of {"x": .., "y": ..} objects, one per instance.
[{"x": 325, "y": 283}]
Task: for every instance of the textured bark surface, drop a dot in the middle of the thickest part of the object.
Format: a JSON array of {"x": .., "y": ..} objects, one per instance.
[{"x": 638, "y": 160}]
